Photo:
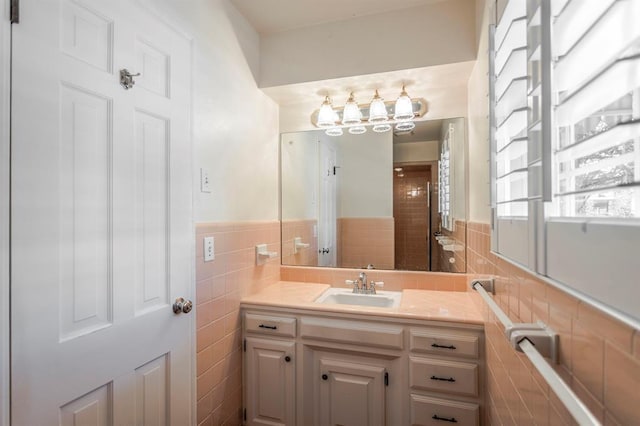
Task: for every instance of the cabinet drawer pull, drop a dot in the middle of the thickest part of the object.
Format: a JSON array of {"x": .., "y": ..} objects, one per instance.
[
  {"x": 287, "y": 358},
  {"x": 270, "y": 327},
  {"x": 444, "y": 419},
  {"x": 325, "y": 377},
  {"x": 442, "y": 379},
  {"x": 435, "y": 345}
]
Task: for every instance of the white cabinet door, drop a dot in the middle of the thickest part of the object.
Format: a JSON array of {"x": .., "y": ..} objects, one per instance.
[
  {"x": 101, "y": 217},
  {"x": 270, "y": 382},
  {"x": 350, "y": 393}
]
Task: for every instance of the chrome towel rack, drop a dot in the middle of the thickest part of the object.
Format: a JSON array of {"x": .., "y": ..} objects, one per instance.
[{"x": 537, "y": 341}]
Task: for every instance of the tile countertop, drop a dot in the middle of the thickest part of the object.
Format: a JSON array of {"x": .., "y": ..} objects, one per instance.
[{"x": 416, "y": 304}]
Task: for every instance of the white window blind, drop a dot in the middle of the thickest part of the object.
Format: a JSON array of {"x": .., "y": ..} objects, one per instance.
[
  {"x": 566, "y": 145},
  {"x": 444, "y": 181},
  {"x": 593, "y": 226},
  {"x": 510, "y": 142}
]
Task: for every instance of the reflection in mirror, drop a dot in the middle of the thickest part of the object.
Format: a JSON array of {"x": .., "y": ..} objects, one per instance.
[{"x": 373, "y": 200}]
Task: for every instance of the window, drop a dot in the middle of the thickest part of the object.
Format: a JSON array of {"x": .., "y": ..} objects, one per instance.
[
  {"x": 579, "y": 157},
  {"x": 444, "y": 181}
]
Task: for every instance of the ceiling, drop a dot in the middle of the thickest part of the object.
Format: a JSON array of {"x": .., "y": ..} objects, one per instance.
[{"x": 274, "y": 16}]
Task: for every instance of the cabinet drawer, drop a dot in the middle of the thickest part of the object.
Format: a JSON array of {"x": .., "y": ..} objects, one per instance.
[
  {"x": 427, "y": 411},
  {"x": 443, "y": 376},
  {"x": 271, "y": 325},
  {"x": 449, "y": 343},
  {"x": 353, "y": 332}
]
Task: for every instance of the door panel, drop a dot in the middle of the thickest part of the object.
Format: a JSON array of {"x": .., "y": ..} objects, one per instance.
[
  {"x": 85, "y": 239},
  {"x": 351, "y": 393},
  {"x": 102, "y": 233},
  {"x": 270, "y": 382},
  {"x": 94, "y": 408}
]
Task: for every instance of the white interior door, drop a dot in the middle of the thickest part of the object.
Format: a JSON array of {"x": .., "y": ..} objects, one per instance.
[
  {"x": 101, "y": 217},
  {"x": 327, "y": 206}
]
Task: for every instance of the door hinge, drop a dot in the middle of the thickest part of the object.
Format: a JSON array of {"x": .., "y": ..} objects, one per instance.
[
  {"x": 15, "y": 12},
  {"x": 244, "y": 345},
  {"x": 244, "y": 414},
  {"x": 386, "y": 379}
]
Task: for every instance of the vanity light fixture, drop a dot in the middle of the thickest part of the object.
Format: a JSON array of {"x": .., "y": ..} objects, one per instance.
[
  {"x": 380, "y": 115},
  {"x": 377, "y": 109},
  {"x": 357, "y": 130},
  {"x": 326, "y": 116},
  {"x": 351, "y": 114}
]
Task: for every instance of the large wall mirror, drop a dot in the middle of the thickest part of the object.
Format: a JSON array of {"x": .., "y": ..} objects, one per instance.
[{"x": 376, "y": 200}]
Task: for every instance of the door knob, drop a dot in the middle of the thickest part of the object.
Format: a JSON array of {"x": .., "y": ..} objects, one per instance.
[{"x": 182, "y": 305}]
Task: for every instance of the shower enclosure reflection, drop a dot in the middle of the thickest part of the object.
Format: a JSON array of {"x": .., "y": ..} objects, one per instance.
[{"x": 373, "y": 200}]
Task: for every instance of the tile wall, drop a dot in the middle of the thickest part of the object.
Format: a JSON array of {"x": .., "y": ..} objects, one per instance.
[
  {"x": 307, "y": 231},
  {"x": 458, "y": 235},
  {"x": 393, "y": 280},
  {"x": 220, "y": 285},
  {"x": 411, "y": 215},
  {"x": 364, "y": 241},
  {"x": 599, "y": 356}
]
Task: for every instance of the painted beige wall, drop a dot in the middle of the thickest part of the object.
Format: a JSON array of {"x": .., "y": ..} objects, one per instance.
[
  {"x": 478, "y": 128},
  {"x": 439, "y": 33},
  {"x": 299, "y": 163},
  {"x": 416, "y": 151},
  {"x": 235, "y": 125},
  {"x": 365, "y": 176}
]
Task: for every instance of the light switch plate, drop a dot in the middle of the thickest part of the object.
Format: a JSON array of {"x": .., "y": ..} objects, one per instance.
[
  {"x": 205, "y": 182},
  {"x": 209, "y": 251}
]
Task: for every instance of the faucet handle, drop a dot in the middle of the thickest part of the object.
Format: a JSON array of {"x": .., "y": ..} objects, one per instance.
[
  {"x": 354, "y": 283},
  {"x": 377, "y": 284}
]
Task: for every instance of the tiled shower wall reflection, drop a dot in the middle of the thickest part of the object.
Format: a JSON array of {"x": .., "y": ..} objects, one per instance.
[
  {"x": 220, "y": 285},
  {"x": 599, "y": 356}
]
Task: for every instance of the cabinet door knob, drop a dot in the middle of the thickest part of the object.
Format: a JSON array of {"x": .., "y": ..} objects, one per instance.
[
  {"x": 325, "y": 377},
  {"x": 287, "y": 358}
]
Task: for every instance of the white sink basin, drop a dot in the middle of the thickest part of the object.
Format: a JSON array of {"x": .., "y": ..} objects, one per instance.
[{"x": 344, "y": 296}]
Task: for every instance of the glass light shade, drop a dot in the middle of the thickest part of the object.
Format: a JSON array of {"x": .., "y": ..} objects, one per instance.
[
  {"x": 357, "y": 130},
  {"x": 326, "y": 115},
  {"x": 381, "y": 128},
  {"x": 404, "y": 108},
  {"x": 334, "y": 131},
  {"x": 351, "y": 113},
  {"x": 377, "y": 110},
  {"x": 405, "y": 126}
]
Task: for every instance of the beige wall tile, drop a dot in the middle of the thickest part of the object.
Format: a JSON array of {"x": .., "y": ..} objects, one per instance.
[{"x": 622, "y": 385}]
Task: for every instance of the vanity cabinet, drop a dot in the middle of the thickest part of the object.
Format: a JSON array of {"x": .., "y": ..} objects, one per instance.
[
  {"x": 269, "y": 370},
  {"x": 313, "y": 368},
  {"x": 444, "y": 376}
]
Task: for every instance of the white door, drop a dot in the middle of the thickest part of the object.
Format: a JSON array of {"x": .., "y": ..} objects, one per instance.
[
  {"x": 101, "y": 217},
  {"x": 327, "y": 205}
]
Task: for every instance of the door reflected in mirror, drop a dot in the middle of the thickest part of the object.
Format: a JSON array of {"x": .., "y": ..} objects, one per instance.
[{"x": 376, "y": 200}]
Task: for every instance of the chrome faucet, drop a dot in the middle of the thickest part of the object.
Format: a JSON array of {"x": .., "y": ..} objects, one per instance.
[
  {"x": 363, "y": 280},
  {"x": 360, "y": 285}
]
